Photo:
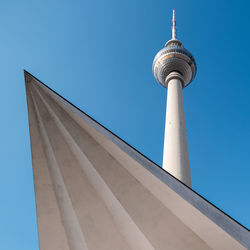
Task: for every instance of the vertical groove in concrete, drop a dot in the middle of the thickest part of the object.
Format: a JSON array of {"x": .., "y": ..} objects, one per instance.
[
  {"x": 135, "y": 238},
  {"x": 49, "y": 222},
  {"x": 73, "y": 230}
]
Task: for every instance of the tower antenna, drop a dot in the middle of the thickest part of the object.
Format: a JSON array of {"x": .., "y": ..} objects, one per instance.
[{"x": 174, "y": 26}]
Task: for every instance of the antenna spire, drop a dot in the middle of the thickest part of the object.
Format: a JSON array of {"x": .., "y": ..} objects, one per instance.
[{"x": 173, "y": 27}]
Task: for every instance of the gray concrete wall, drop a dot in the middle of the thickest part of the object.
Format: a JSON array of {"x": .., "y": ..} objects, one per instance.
[{"x": 93, "y": 193}]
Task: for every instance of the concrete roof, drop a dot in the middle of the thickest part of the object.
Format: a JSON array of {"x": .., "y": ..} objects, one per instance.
[{"x": 94, "y": 191}]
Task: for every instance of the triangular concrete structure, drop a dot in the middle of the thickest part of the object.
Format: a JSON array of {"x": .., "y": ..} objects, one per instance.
[{"x": 94, "y": 191}]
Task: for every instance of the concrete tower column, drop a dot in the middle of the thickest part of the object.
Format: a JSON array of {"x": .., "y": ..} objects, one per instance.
[
  {"x": 175, "y": 154},
  {"x": 174, "y": 68}
]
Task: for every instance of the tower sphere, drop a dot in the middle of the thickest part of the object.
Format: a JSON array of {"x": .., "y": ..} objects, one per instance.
[{"x": 174, "y": 57}]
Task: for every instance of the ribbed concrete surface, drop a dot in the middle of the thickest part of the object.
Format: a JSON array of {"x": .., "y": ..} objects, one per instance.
[{"x": 90, "y": 194}]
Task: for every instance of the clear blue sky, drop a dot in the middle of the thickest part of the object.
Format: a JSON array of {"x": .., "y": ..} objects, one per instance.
[{"x": 98, "y": 55}]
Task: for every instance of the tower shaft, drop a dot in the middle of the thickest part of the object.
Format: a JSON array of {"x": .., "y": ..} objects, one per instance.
[{"x": 175, "y": 156}]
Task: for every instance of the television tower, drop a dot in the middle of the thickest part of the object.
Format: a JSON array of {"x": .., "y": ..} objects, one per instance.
[{"x": 174, "y": 68}]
